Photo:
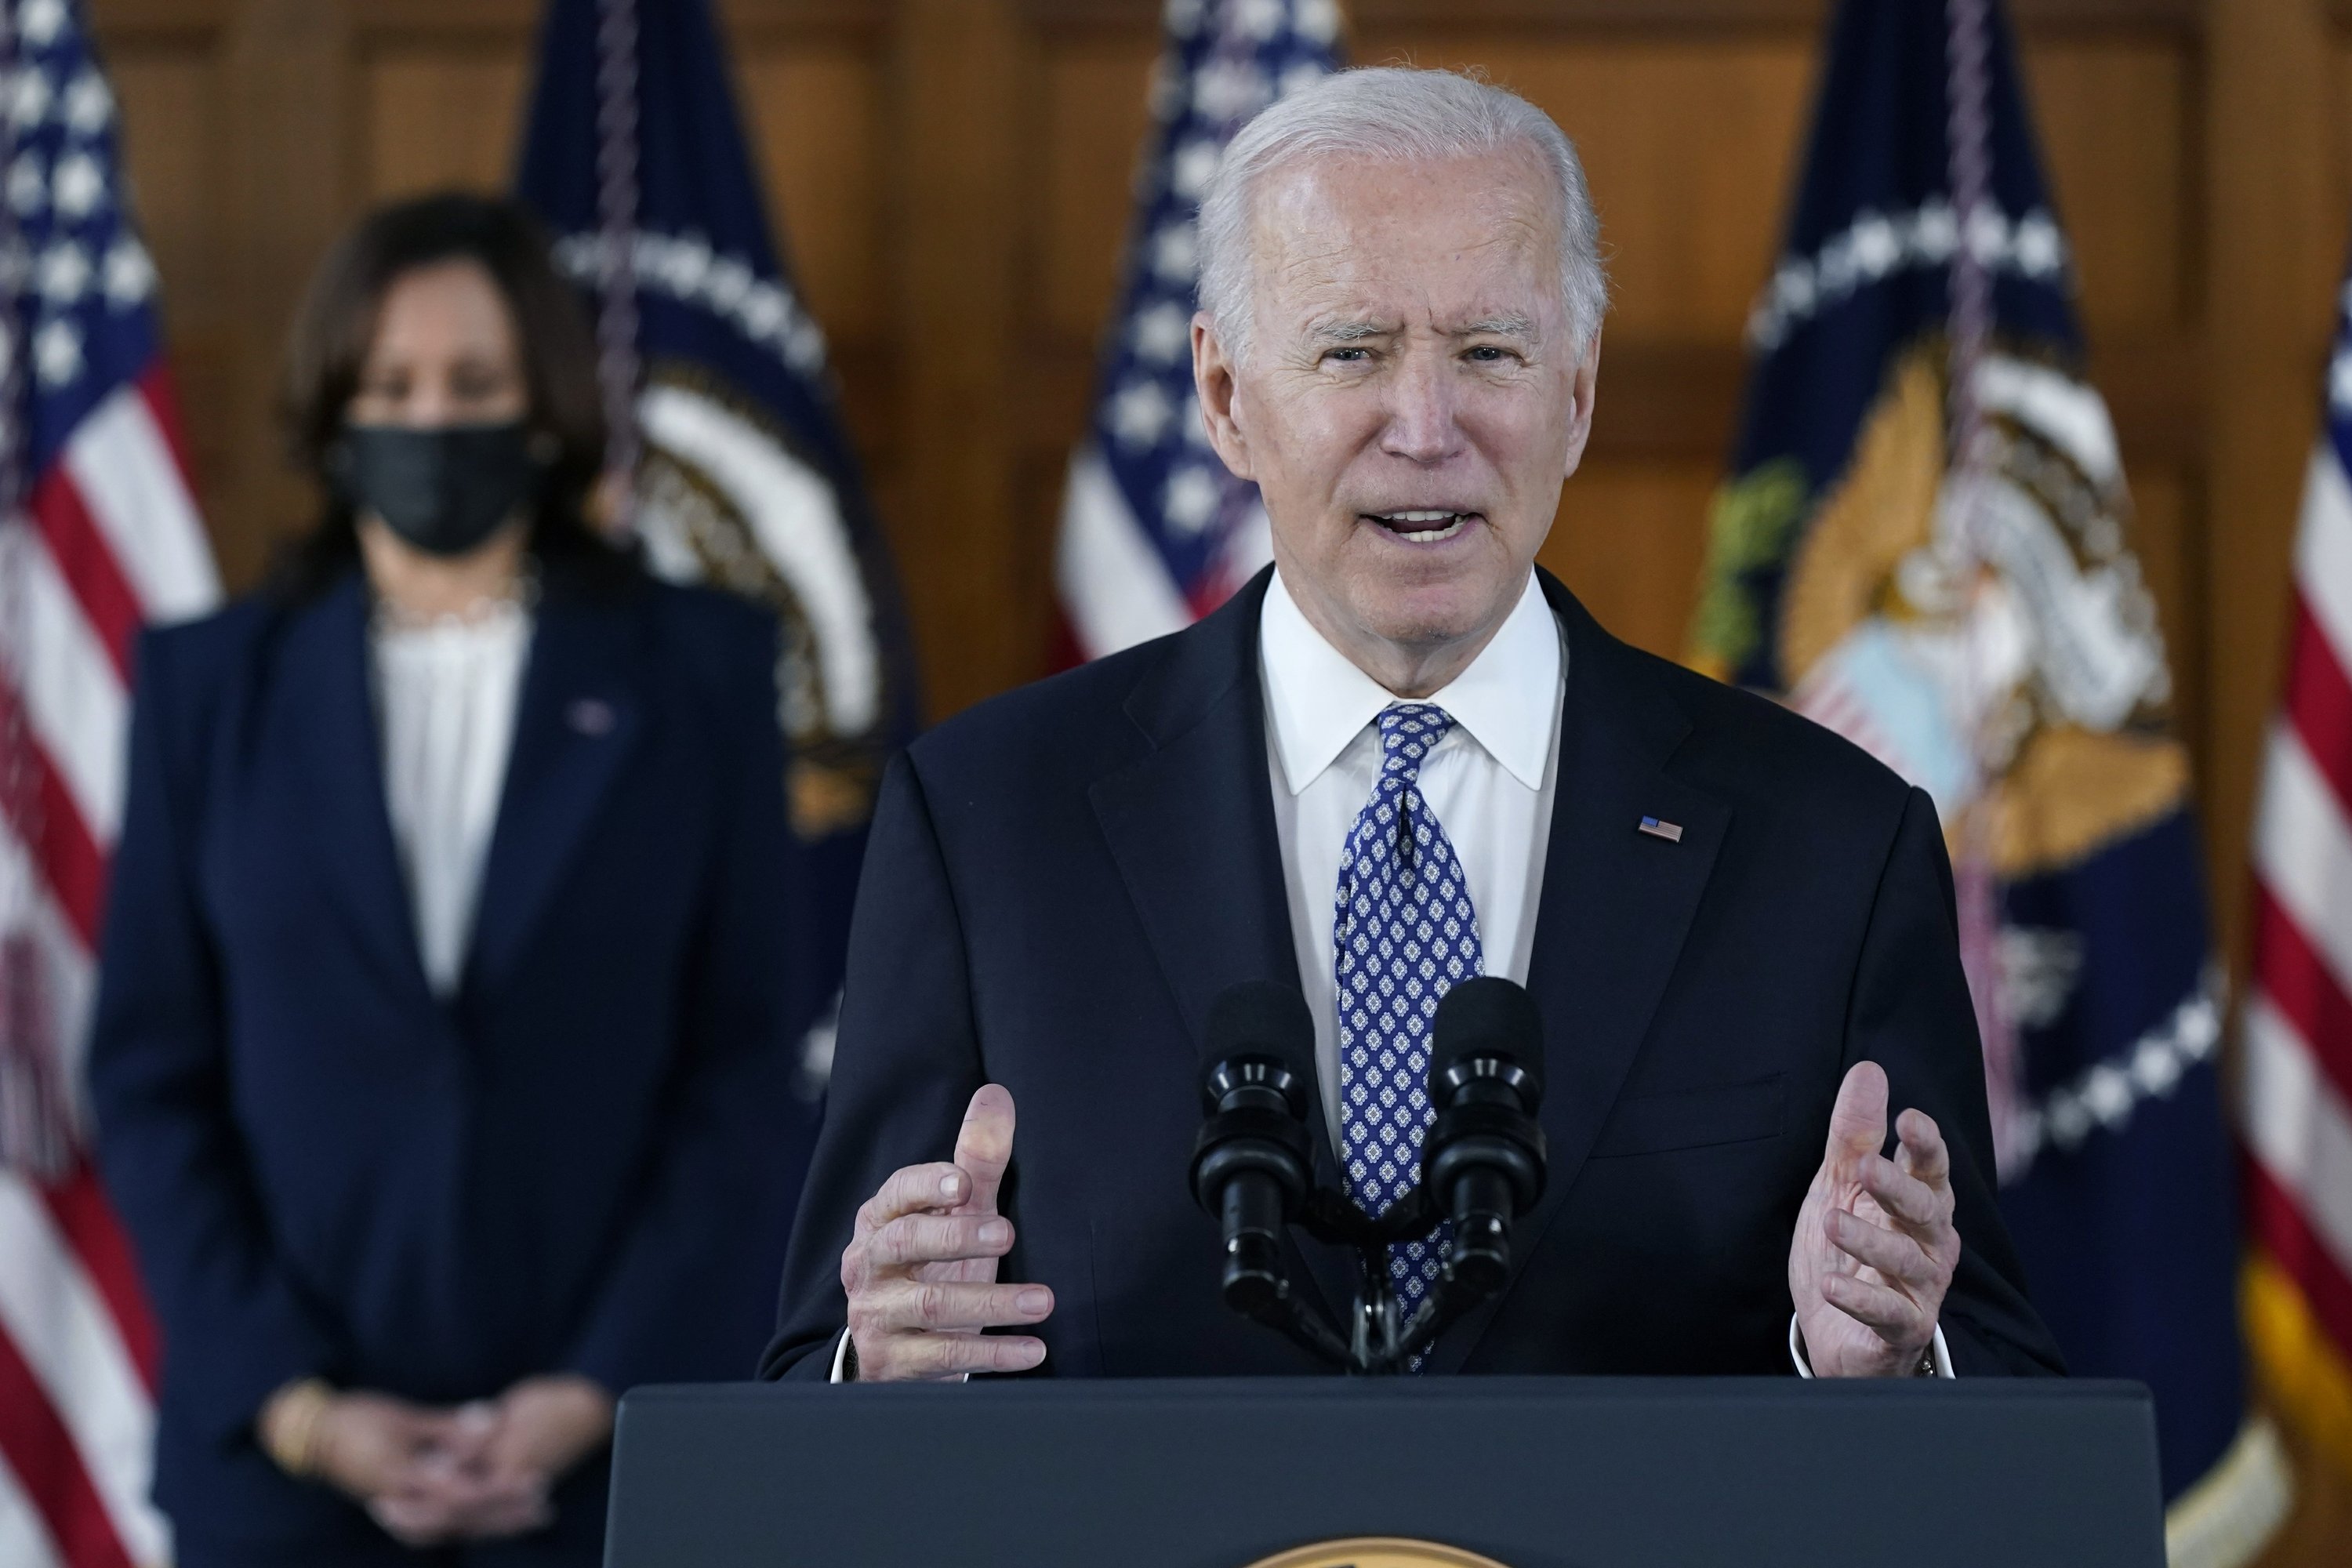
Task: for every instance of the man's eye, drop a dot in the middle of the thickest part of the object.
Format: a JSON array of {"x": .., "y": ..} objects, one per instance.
[
  {"x": 1491, "y": 353},
  {"x": 1348, "y": 356}
]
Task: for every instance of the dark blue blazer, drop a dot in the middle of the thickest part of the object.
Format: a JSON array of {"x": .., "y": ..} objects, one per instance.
[
  {"x": 584, "y": 1161},
  {"x": 1060, "y": 881}
]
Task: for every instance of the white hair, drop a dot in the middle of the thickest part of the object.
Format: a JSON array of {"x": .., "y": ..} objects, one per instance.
[{"x": 1392, "y": 114}]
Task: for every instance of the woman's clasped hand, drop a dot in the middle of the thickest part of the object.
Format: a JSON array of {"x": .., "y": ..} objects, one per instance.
[{"x": 429, "y": 1476}]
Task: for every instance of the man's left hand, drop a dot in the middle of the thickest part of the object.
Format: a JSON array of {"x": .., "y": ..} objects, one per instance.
[{"x": 1874, "y": 1248}]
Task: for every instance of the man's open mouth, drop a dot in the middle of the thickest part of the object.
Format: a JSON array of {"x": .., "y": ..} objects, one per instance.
[{"x": 1423, "y": 525}]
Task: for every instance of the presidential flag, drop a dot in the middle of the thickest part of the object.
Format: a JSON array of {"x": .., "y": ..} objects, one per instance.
[
  {"x": 1925, "y": 543},
  {"x": 99, "y": 534},
  {"x": 724, "y": 410},
  {"x": 2295, "y": 1030},
  {"x": 1155, "y": 532}
]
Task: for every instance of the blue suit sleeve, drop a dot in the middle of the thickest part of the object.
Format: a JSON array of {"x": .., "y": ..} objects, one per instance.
[
  {"x": 906, "y": 1067},
  {"x": 1910, "y": 1012},
  {"x": 175, "y": 1161},
  {"x": 685, "y": 1296}
]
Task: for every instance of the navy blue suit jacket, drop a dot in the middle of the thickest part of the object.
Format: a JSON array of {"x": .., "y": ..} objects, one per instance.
[
  {"x": 1062, "y": 880},
  {"x": 584, "y": 1161}
]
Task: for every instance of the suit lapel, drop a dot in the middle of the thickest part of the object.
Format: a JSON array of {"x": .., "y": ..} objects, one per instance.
[
  {"x": 1615, "y": 907},
  {"x": 330, "y": 708},
  {"x": 577, "y": 717},
  {"x": 1190, "y": 828}
]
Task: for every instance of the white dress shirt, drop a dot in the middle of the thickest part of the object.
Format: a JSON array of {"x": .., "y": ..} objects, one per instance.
[{"x": 446, "y": 695}]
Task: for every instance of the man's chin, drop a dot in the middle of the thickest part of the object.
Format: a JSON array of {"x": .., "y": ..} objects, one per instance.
[
  {"x": 1428, "y": 623},
  {"x": 1432, "y": 609}
]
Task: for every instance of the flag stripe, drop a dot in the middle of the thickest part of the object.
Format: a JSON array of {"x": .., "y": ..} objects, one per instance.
[
  {"x": 87, "y": 566},
  {"x": 1116, "y": 587},
  {"x": 70, "y": 861},
  {"x": 64, "y": 966},
  {"x": 137, "y": 491},
  {"x": 61, "y": 1329},
  {"x": 25, "y": 1541},
  {"x": 2322, "y": 551},
  {"x": 2297, "y": 1130},
  {"x": 2319, "y": 703},
  {"x": 78, "y": 1207},
  {"x": 2303, "y": 850},
  {"x": 2290, "y": 977},
  {"x": 2300, "y": 1253},
  {"x": 36, "y": 1445},
  {"x": 74, "y": 700}
]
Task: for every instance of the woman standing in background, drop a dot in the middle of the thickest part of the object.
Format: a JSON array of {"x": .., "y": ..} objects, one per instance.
[{"x": 441, "y": 1062}]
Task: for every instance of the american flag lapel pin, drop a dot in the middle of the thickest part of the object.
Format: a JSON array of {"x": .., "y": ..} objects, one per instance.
[{"x": 1671, "y": 832}]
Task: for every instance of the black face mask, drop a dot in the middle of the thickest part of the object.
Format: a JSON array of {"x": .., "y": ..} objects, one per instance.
[{"x": 444, "y": 490}]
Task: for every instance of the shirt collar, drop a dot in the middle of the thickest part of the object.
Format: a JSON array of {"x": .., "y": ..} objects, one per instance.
[{"x": 1506, "y": 699}]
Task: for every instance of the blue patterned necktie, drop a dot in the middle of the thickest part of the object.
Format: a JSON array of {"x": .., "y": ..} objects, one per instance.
[{"x": 1404, "y": 933}]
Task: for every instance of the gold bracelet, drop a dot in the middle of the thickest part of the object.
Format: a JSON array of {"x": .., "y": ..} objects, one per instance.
[{"x": 292, "y": 1438}]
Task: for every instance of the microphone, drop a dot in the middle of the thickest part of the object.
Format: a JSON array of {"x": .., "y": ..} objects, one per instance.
[
  {"x": 1251, "y": 1163},
  {"x": 1483, "y": 1165}
]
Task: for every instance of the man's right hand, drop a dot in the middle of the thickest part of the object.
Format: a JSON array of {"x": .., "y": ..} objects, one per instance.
[{"x": 922, "y": 1268}]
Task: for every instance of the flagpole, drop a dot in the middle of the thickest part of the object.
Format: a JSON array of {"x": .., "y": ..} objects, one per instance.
[
  {"x": 617, "y": 217},
  {"x": 1969, "y": 330}
]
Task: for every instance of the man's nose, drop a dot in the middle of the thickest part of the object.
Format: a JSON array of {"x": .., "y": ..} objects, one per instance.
[{"x": 1421, "y": 422}]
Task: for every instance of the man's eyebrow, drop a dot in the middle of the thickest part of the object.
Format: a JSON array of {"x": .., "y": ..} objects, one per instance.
[
  {"x": 1513, "y": 326},
  {"x": 1338, "y": 332}
]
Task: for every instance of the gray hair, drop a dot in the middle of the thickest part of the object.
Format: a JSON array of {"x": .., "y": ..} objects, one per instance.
[{"x": 1392, "y": 113}]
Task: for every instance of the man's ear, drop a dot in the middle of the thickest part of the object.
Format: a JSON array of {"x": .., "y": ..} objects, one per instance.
[
  {"x": 1587, "y": 383},
  {"x": 1214, "y": 380}
]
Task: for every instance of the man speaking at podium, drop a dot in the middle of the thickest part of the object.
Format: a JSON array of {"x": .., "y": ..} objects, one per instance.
[{"x": 1738, "y": 929}]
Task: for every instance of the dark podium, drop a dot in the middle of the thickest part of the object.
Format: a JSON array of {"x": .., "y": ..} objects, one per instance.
[{"x": 1529, "y": 1472}]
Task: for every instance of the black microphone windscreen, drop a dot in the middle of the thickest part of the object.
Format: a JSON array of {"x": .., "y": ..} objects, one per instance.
[
  {"x": 1489, "y": 1017},
  {"x": 1261, "y": 1017}
]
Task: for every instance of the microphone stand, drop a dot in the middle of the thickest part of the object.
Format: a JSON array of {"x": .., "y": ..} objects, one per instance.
[
  {"x": 1484, "y": 1154},
  {"x": 1379, "y": 1338}
]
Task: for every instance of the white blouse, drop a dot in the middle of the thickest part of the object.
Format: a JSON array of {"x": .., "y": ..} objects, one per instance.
[{"x": 446, "y": 695}]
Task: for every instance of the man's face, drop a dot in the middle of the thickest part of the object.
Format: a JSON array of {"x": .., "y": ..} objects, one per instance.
[{"x": 1411, "y": 401}]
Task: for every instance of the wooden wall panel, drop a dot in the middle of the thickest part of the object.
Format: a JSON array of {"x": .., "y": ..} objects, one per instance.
[
  {"x": 172, "y": 132},
  {"x": 441, "y": 116},
  {"x": 2125, "y": 200},
  {"x": 1623, "y": 536},
  {"x": 1090, "y": 140},
  {"x": 815, "y": 116}
]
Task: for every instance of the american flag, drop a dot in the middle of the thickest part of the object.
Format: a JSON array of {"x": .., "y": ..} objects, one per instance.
[
  {"x": 2296, "y": 1028},
  {"x": 99, "y": 534},
  {"x": 1155, "y": 532}
]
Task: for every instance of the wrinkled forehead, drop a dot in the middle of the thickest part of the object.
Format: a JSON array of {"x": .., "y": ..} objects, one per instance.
[{"x": 1423, "y": 239}]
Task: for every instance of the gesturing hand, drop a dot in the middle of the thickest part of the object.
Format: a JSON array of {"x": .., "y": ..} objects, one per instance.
[
  {"x": 921, "y": 1269},
  {"x": 1874, "y": 1247}
]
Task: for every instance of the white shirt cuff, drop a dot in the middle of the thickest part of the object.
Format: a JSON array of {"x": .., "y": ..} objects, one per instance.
[{"x": 1942, "y": 1352}]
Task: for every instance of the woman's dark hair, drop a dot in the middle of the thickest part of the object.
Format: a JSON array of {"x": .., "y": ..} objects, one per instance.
[{"x": 336, "y": 325}]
